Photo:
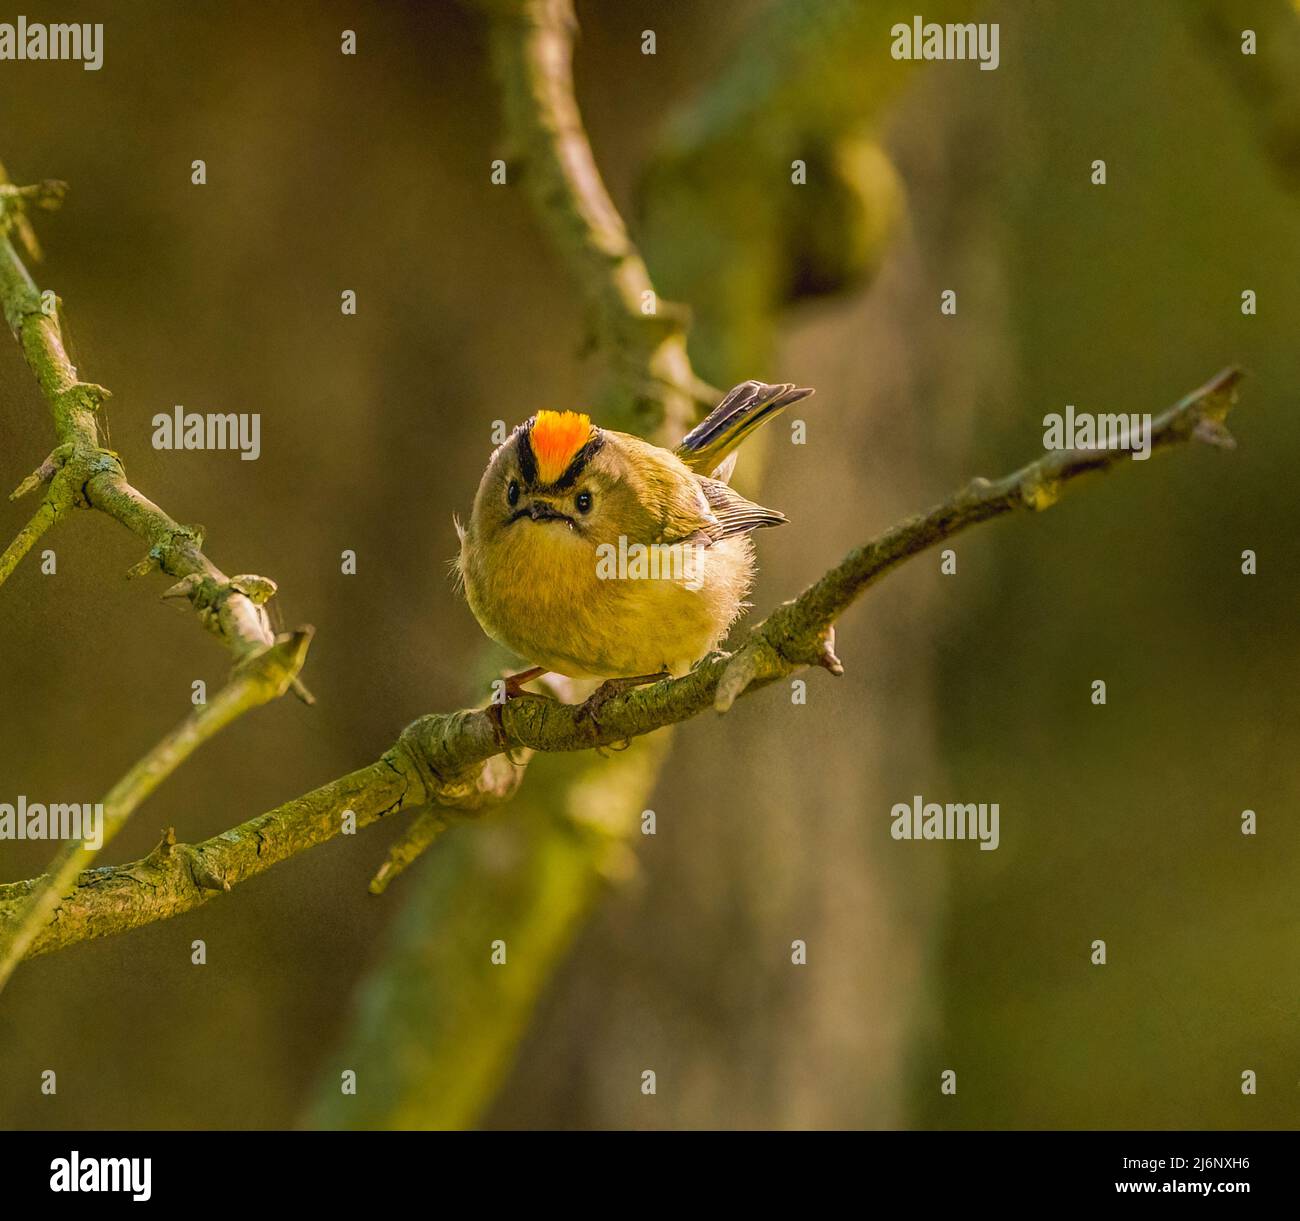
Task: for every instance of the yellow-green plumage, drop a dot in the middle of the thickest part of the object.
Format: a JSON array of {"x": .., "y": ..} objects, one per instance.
[{"x": 531, "y": 565}]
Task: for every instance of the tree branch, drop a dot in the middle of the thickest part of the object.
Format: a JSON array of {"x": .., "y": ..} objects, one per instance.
[
  {"x": 79, "y": 473},
  {"x": 652, "y": 390},
  {"x": 459, "y": 759},
  {"x": 82, "y": 474}
]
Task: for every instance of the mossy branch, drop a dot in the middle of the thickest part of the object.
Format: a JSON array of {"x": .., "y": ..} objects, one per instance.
[{"x": 461, "y": 760}]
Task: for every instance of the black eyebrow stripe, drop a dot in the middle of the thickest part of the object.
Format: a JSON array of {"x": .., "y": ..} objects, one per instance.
[
  {"x": 524, "y": 453},
  {"x": 580, "y": 460}
]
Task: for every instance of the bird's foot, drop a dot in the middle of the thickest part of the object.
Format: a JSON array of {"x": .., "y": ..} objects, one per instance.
[
  {"x": 591, "y": 707},
  {"x": 512, "y": 688}
]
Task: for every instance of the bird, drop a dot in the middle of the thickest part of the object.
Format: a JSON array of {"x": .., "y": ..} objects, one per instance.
[{"x": 562, "y": 500}]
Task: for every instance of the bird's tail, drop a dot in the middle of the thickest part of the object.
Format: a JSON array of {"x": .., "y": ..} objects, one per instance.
[{"x": 706, "y": 447}]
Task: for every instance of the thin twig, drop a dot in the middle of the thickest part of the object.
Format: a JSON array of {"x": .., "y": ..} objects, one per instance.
[
  {"x": 27, "y": 537},
  {"x": 84, "y": 474}
]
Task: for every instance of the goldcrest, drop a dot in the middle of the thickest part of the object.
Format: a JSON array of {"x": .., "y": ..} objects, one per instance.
[{"x": 594, "y": 554}]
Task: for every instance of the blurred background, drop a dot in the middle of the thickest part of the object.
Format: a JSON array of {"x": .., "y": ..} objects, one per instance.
[{"x": 673, "y": 952}]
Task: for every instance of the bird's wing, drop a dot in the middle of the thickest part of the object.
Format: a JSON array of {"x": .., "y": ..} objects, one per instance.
[
  {"x": 734, "y": 514},
  {"x": 694, "y": 508}
]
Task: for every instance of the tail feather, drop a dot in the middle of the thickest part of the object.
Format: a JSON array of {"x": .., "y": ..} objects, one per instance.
[{"x": 749, "y": 405}]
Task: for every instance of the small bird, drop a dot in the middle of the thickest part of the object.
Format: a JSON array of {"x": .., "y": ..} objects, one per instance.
[{"x": 594, "y": 554}]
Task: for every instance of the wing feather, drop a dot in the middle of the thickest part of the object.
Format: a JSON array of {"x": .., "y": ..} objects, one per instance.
[{"x": 733, "y": 513}]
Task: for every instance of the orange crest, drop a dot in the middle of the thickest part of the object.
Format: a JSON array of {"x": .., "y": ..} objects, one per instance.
[{"x": 555, "y": 437}]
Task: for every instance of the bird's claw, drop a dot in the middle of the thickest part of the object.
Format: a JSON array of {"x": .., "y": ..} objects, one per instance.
[
  {"x": 590, "y": 708},
  {"x": 499, "y": 730},
  {"x": 511, "y": 688}
]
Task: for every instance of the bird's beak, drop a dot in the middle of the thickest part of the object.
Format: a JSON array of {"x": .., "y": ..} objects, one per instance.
[{"x": 541, "y": 510}]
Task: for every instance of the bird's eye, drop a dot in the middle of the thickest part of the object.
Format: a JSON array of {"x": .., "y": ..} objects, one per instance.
[
  {"x": 512, "y": 493},
  {"x": 583, "y": 501}
]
